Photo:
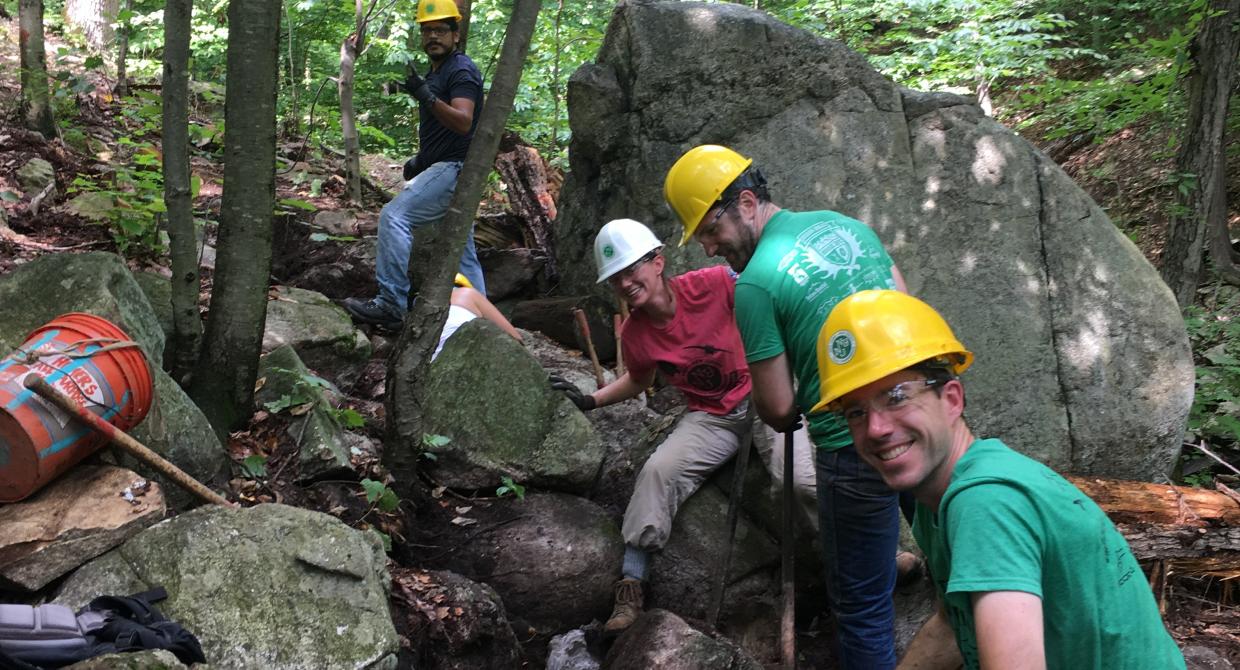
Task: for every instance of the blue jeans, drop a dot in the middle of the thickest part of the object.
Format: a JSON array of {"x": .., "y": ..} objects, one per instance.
[
  {"x": 424, "y": 200},
  {"x": 859, "y": 519}
]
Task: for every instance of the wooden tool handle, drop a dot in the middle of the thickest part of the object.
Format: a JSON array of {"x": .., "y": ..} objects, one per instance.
[
  {"x": 118, "y": 437},
  {"x": 584, "y": 327}
]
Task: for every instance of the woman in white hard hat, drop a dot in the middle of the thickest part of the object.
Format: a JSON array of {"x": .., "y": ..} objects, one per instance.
[{"x": 685, "y": 327}]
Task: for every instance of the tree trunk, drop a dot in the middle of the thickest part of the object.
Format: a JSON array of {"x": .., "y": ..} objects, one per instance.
[
  {"x": 434, "y": 258},
  {"x": 1201, "y": 160},
  {"x": 292, "y": 121},
  {"x": 94, "y": 18},
  {"x": 36, "y": 100},
  {"x": 350, "y": 49},
  {"x": 183, "y": 247},
  {"x": 223, "y": 384},
  {"x": 464, "y": 7},
  {"x": 122, "y": 53}
]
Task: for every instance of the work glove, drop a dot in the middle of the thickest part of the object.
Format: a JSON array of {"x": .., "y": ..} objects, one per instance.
[
  {"x": 416, "y": 86},
  {"x": 584, "y": 401}
]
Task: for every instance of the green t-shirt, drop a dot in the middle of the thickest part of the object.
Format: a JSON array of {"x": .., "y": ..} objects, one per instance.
[
  {"x": 1009, "y": 523},
  {"x": 805, "y": 263}
]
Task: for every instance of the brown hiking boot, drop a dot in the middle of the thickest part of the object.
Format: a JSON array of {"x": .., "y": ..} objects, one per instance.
[
  {"x": 908, "y": 568},
  {"x": 628, "y": 605}
]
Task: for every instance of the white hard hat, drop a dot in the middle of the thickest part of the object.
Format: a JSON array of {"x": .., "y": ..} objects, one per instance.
[{"x": 620, "y": 244}]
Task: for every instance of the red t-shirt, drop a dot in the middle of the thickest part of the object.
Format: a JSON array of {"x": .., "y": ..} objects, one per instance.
[{"x": 700, "y": 350}]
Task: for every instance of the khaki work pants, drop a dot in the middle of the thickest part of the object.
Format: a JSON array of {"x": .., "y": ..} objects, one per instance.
[{"x": 698, "y": 445}]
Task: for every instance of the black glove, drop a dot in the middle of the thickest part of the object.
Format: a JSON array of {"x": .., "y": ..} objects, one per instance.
[
  {"x": 583, "y": 401},
  {"x": 416, "y": 86}
]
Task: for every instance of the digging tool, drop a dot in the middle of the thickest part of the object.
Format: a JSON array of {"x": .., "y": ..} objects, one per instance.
[
  {"x": 584, "y": 327},
  {"x": 787, "y": 630},
  {"x": 616, "y": 321},
  {"x": 121, "y": 439},
  {"x": 734, "y": 506}
]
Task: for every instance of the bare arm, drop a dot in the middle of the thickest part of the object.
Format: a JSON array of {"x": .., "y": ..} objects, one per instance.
[
  {"x": 1009, "y": 630},
  {"x": 899, "y": 279},
  {"x": 627, "y": 386},
  {"x": 478, "y": 304},
  {"x": 933, "y": 647},
  {"x": 772, "y": 392},
  {"x": 457, "y": 117}
]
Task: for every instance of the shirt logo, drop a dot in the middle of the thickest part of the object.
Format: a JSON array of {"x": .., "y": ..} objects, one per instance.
[{"x": 841, "y": 347}]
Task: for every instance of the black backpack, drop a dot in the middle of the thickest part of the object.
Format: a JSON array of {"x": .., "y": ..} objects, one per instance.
[{"x": 52, "y": 636}]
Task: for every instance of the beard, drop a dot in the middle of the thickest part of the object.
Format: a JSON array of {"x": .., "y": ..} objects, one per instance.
[{"x": 739, "y": 253}]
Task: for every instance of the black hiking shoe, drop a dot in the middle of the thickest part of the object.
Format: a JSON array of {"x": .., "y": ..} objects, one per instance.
[{"x": 372, "y": 312}]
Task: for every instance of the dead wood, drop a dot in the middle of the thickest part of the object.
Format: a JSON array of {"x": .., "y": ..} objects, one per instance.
[{"x": 1161, "y": 521}]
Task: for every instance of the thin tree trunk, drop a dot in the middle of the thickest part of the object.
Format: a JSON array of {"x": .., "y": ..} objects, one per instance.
[
  {"x": 36, "y": 100},
  {"x": 183, "y": 248},
  {"x": 555, "y": 82},
  {"x": 464, "y": 7},
  {"x": 223, "y": 384},
  {"x": 434, "y": 258},
  {"x": 1200, "y": 162},
  {"x": 350, "y": 50},
  {"x": 122, "y": 53},
  {"x": 292, "y": 122}
]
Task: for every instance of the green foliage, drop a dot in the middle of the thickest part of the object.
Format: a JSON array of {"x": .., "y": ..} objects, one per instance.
[
  {"x": 510, "y": 486},
  {"x": 254, "y": 466},
  {"x": 1215, "y": 414},
  {"x": 306, "y": 392},
  {"x": 380, "y": 496}
]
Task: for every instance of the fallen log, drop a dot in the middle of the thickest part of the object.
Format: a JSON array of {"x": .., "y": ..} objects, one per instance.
[{"x": 1198, "y": 528}]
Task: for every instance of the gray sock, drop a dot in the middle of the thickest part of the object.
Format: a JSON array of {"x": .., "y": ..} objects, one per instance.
[{"x": 636, "y": 561}]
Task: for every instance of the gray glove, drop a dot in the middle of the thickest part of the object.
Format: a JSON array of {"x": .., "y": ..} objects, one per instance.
[{"x": 584, "y": 401}]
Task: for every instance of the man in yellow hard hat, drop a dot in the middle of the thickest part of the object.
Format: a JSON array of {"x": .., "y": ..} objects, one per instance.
[
  {"x": 1030, "y": 573},
  {"x": 449, "y": 103},
  {"x": 794, "y": 267}
]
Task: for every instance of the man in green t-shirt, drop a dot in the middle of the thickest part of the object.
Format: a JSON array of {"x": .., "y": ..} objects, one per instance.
[
  {"x": 1030, "y": 572},
  {"x": 794, "y": 267}
]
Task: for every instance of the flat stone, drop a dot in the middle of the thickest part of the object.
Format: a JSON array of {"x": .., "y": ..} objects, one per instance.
[{"x": 72, "y": 520}]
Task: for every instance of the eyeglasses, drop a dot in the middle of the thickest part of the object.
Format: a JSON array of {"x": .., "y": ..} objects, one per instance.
[
  {"x": 437, "y": 31},
  {"x": 710, "y": 227},
  {"x": 893, "y": 400},
  {"x": 632, "y": 269}
]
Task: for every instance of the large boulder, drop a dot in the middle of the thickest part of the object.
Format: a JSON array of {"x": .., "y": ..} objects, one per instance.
[
  {"x": 661, "y": 640},
  {"x": 319, "y": 331},
  {"x": 264, "y": 587},
  {"x": 1082, "y": 357},
  {"x": 553, "y": 558},
  {"x": 71, "y": 521},
  {"x": 97, "y": 282},
  {"x": 454, "y": 623},
  {"x": 493, "y": 401}
]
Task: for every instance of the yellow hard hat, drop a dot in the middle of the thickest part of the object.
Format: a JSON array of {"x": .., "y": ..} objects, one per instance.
[
  {"x": 437, "y": 10},
  {"x": 871, "y": 334},
  {"x": 462, "y": 281},
  {"x": 697, "y": 180}
]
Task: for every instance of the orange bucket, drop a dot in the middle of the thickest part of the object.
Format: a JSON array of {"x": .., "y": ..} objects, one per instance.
[{"x": 87, "y": 358}]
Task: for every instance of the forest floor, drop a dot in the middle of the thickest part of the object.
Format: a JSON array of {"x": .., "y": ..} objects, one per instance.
[{"x": 1125, "y": 173}]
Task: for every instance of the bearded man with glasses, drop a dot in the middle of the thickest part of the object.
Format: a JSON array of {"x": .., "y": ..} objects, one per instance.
[
  {"x": 1030, "y": 573},
  {"x": 794, "y": 267},
  {"x": 449, "y": 103}
]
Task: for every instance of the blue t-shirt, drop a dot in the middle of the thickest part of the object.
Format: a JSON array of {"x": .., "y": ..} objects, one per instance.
[{"x": 457, "y": 77}]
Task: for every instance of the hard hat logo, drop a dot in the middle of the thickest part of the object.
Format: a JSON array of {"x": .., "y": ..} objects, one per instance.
[
  {"x": 842, "y": 347},
  {"x": 609, "y": 251}
]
